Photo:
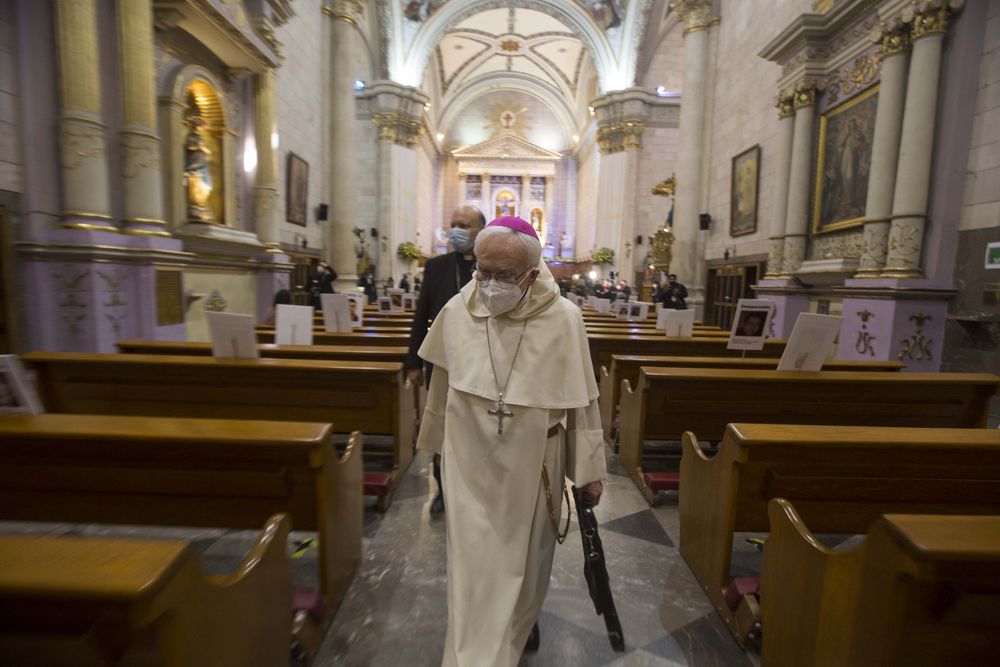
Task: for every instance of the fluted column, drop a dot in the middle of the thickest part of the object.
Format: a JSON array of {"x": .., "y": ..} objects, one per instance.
[
  {"x": 339, "y": 250},
  {"x": 525, "y": 211},
  {"x": 797, "y": 211},
  {"x": 909, "y": 204},
  {"x": 140, "y": 141},
  {"x": 885, "y": 153},
  {"x": 487, "y": 197},
  {"x": 265, "y": 189},
  {"x": 783, "y": 150},
  {"x": 86, "y": 198},
  {"x": 697, "y": 18}
]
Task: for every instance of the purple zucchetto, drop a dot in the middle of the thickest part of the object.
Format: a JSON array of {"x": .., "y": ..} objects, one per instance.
[{"x": 515, "y": 223}]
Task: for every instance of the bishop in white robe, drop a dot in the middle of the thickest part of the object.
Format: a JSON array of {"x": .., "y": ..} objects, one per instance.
[{"x": 512, "y": 392}]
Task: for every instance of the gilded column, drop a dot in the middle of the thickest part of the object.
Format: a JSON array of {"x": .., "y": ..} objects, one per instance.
[
  {"x": 797, "y": 211},
  {"x": 339, "y": 250},
  {"x": 86, "y": 198},
  {"x": 786, "y": 125},
  {"x": 697, "y": 18},
  {"x": 140, "y": 143},
  {"x": 885, "y": 152},
  {"x": 909, "y": 204},
  {"x": 265, "y": 189}
]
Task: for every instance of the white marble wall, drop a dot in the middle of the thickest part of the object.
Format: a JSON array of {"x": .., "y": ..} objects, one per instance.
[
  {"x": 10, "y": 154},
  {"x": 586, "y": 200},
  {"x": 981, "y": 207},
  {"x": 427, "y": 197},
  {"x": 666, "y": 68},
  {"x": 743, "y": 114},
  {"x": 656, "y": 162},
  {"x": 299, "y": 90}
]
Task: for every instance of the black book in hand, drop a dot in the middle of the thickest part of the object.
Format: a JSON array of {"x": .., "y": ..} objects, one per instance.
[{"x": 595, "y": 569}]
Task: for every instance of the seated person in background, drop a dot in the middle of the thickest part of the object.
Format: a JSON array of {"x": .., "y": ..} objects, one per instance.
[{"x": 282, "y": 296}]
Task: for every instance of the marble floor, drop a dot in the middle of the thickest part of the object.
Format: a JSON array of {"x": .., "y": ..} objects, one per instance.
[{"x": 395, "y": 611}]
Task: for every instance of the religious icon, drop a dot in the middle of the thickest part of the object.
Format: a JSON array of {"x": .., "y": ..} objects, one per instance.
[
  {"x": 743, "y": 192},
  {"x": 298, "y": 189},
  {"x": 197, "y": 177}
]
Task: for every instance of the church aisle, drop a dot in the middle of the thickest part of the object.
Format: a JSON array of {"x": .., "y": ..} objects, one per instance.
[{"x": 395, "y": 612}]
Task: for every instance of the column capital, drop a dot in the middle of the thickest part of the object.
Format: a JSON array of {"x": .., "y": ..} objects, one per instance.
[
  {"x": 343, "y": 10},
  {"x": 785, "y": 105},
  {"x": 398, "y": 129},
  {"x": 695, "y": 14},
  {"x": 805, "y": 95},
  {"x": 894, "y": 41},
  {"x": 930, "y": 17},
  {"x": 620, "y": 136}
]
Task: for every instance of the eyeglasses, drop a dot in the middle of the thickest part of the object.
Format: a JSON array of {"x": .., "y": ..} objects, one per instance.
[{"x": 500, "y": 276}]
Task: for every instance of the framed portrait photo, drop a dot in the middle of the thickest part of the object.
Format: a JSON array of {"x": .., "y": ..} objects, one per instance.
[
  {"x": 844, "y": 162},
  {"x": 297, "y": 192},
  {"x": 743, "y": 194}
]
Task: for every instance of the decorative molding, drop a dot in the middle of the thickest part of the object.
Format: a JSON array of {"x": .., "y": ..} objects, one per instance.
[
  {"x": 917, "y": 347},
  {"x": 695, "y": 14},
  {"x": 80, "y": 139},
  {"x": 72, "y": 286},
  {"x": 852, "y": 78},
  {"x": 620, "y": 136},
  {"x": 863, "y": 345},
  {"x": 115, "y": 285},
  {"x": 398, "y": 129},
  {"x": 140, "y": 151},
  {"x": 786, "y": 106},
  {"x": 838, "y": 245}
]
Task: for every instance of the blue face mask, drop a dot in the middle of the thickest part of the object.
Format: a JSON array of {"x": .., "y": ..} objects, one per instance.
[{"x": 460, "y": 240}]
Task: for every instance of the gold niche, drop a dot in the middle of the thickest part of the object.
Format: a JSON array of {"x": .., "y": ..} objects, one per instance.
[{"x": 204, "y": 175}]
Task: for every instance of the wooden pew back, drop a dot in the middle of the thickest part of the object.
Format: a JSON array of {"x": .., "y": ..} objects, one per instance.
[
  {"x": 920, "y": 590},
  {"x": 626, "y": 367},
  {"x": 71, "y": 600},
  {"x": 603, "y": 346},
  {"x": 840, "y": 479},
  {"x": 187, "y": 472},
  {"x": 372, "y": 397},
  {"x": 372, "y": 339},
  {"x": 270, "y": 350}
]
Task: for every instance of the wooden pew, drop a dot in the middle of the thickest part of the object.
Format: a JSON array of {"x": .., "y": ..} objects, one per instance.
[
  {"x": 191, "y": 472},
  {"x": 371, "y": 397},
  {"x": 71, "y": 600},
  {"x": 626, "y": 367},
  {"x": 323, "y": 338},
  {"x": 369, "y": 329},
  {"x": 626, "y": 330},
  {"x": 840, "y": 479},
  {"x": 270, "y": 350},
  {"x": 669, "y": 401},
  {"x": 920, "y": 590},
  {"x": 602, "y": 346}
]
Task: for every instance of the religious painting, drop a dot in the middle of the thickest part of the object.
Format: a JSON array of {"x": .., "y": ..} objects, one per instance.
[
  {"x": 505, "y": 204},
  {"x": 537, "y": 221},
  {"x": 743, "y": 192},
  {"x": 420, "y": 10},
  {"x": 606, "y": 13},
  {"x": 844, "y": 162},
  {"x": 296, "y": 195}
]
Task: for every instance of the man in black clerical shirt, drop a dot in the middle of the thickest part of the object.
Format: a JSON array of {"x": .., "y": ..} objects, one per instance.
[{"x": 444, "y": 276}]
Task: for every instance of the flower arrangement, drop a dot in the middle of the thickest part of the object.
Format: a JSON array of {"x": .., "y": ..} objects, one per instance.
[
  {"x": 603, "y": 256},
  {"x": 408, "y": 251}
]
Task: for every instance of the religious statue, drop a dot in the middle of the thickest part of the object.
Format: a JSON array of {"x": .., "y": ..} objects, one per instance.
[{"x": 197, "y": 178}]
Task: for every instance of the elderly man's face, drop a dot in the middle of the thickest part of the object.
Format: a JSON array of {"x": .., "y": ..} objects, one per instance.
[
  {"x": 467, "y": 218},
  {"x": 506, "y": 260}
]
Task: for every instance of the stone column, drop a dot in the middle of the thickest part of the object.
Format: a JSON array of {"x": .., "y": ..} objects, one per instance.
[
  {"x": 885, "y": 153},
  {"x": 697, "y": 18},
  {"x": 339, "y": 250},
  {"x": 140, "y": 141},
  {"x": 265, "y": 188},
  {"x": 909, "y": 204},
  {"x": 797, "y": 213},
  {"x": 526, "y": 202},
  {"x": 547, "y": 212},
  {"x": 786, "y": 124},
  {"x": 86, "y": 198},
  {"x": 487, "y": 197}
]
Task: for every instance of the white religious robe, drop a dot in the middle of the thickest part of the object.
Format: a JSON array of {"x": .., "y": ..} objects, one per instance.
[{"x": 500, "y": 535}]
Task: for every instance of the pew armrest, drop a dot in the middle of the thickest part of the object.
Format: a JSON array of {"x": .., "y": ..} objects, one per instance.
[{"x": 341, "y": 513}]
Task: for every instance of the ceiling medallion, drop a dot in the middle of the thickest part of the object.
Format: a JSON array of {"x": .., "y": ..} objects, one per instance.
[{"x": 510, "y": 46}]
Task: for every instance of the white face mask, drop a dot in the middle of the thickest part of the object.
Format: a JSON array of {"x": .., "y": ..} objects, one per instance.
[{"x": 499, "y": 297}]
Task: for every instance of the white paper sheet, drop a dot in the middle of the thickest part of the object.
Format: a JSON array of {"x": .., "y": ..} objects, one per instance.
[
  {"x": 232, "y": 335},
  {"x": 294, "y": 325},
  {"x": 811, "y": 342},
  {"x": 677, "y": 323},
  {"x": 337, "y": 310}
]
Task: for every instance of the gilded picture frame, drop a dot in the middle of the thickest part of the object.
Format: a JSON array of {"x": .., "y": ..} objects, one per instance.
[
  {"x": 297, "y": 192},
  {"x": 843, "y": 163},
  {"x": 744, "y": 189}
]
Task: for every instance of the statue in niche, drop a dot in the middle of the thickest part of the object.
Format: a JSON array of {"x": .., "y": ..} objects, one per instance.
[{"x": 197, "y": 177}]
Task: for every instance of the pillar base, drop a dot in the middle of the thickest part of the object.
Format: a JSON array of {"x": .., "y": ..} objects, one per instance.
[{"x": 879, "y": 329}]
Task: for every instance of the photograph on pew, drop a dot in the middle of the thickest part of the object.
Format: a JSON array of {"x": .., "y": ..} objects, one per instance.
[
  {"x": 358, "y": 302},
  {"x": 395, "y": 299},
  {"x": 751, "y": 324},
  {"x": 233, "y": 335},
  {"x": 384, "y": 304},
  {"x": 811, "y": 343},
  {"x": 676, "y": 323}
]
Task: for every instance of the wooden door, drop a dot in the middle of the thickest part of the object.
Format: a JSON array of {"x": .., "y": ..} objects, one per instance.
[{"x": 726, "y": 286}]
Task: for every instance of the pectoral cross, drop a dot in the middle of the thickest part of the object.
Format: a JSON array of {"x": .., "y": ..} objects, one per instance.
[{"x": 499, "y": 413}]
